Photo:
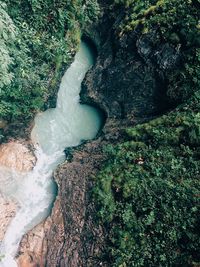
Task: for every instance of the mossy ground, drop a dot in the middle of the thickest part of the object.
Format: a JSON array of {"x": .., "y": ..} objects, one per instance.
[{"x": 148, "y": 192}]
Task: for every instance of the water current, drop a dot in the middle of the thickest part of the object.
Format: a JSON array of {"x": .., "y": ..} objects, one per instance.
[{"x": 67, "y": 125}]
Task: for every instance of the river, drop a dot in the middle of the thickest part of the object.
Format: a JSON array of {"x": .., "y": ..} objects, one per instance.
[{"x": 67, "y": 125}]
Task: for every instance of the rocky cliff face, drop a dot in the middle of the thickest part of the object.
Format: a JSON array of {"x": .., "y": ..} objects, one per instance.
[
  {"x": 70, "y": 236},
  {"x": 128, "y": 82}
]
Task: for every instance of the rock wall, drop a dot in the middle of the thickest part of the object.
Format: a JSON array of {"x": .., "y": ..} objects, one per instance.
[
  {"x": 129, "y": 80},
  {"x": 17, "y": 155},
  {"x": 70, "y": 236}
]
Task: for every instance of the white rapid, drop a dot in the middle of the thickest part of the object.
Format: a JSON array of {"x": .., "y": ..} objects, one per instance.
[{"x": 55, "y": 129}]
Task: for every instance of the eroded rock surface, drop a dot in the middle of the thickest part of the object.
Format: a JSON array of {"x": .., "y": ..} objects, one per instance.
[
  {"x": 70, "y": 236},
  {"x": 42, "y": 240},
  {"x": 130, "y": 78},
  {"x": 15, "y": 158},
  {"x": 7, "y": 212}
]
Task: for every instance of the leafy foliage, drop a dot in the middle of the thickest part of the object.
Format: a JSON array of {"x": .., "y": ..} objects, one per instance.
[
  {"x": 46, "y": 35},
  {"x": 148, "y": 194},
  {"x": 7, "y": 35}
]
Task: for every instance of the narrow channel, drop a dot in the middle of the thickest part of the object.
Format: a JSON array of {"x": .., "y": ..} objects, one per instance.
[{"x": 55, "y": 129}]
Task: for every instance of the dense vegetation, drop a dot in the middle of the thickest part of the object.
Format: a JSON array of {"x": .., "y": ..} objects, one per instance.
[
  {"x": 148, "y": 192},
  {"x": 175, "y": 22},
  {"x": 37, "y": 40}
]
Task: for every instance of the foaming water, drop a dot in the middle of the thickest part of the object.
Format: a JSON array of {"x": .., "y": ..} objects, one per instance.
[
  {"x": 70, "y": 122},
  {"x": 55, "y": 129}
]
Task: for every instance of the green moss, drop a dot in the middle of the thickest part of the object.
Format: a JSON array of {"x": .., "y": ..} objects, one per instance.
[
  {"x": 175, "y": 22},
  {"x": 152, "y": 185}
]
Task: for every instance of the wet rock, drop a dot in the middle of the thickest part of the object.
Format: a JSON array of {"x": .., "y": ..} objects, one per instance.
[
  {"x": 7, "y": 212},
  {"x": 28, "y": 261},
  {"x": 130, "y": 77},
  {"x": 42, "y": 241},
  {"x": 16, "y": 155},
  {"x": 70, "y": 236},
  {"x": 168, "y": 56}
]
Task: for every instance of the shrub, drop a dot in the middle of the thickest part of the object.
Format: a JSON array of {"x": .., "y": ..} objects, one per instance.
[
  {"x": 47, "y": 34},
  {"x": 147, "y": 196}
]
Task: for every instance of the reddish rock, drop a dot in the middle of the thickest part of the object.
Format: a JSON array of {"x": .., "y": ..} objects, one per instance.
[
  {"x": 7, "y": 212},
  {"x": 70, "y": 236},
  {"x": 17, "y": 156},
  {"x": 14, "y": 155}
]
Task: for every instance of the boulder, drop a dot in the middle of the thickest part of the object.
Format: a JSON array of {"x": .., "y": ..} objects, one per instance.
[{"x": 16, "y": 155}]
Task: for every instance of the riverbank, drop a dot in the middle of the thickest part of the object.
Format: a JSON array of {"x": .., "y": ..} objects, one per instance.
[
  {"x": 54, "y": 130},
  {"x": 15, "y": 156}
]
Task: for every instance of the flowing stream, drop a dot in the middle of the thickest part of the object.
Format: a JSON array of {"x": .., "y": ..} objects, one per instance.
[{"x": 55, "y": 129}]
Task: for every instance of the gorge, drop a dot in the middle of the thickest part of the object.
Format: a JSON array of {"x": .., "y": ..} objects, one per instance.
[
  {"x": 130, "y": 196},
  {"x": 65, "y": 126}
]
